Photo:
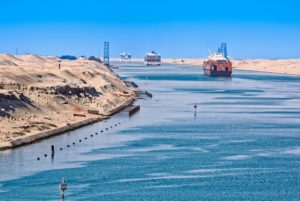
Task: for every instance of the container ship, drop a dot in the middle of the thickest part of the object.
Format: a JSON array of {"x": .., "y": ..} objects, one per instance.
[
  {"x": 152, "y": 59},
  {"x": 218, "y": 63}
]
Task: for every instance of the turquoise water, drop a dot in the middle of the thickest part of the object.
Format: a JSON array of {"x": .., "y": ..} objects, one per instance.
[{"x": 243, "y": 143}]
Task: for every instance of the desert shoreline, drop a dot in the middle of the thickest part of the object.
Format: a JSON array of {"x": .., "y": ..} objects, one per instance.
[
  {"x": 43, "y": 96},
  {"x": 46, "y": 134},
  {"x": 61, "y": 130},
  {"x": 279, "y": 66}
]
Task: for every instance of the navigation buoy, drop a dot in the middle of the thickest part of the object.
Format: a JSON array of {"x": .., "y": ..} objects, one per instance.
[
  {"x": 79, "y": 140},
  {"x": 63, "y": 187},
  {"x": 45, "y": 155},
  {"x": 38, "y": 158},
  {"x": 195, "y": 106},
  {"x": 61, "y": 148}
]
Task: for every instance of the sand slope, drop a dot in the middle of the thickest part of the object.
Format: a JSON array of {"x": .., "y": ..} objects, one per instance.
[{"x": 36, "y": 96}]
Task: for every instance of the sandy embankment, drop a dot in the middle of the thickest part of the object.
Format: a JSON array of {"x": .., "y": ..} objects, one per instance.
[
  {"x": 37, "y": 99},
  {"x": 283, "y": 66}
]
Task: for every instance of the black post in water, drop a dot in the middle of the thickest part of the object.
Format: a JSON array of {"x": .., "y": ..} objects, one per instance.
[
  {"x": 52, "y": 153},
  {"x": 63, "y": 188}
]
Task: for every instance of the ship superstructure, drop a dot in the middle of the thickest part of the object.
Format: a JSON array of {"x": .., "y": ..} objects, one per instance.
[
  {"x": 152, "y": 59},
  {"x": 125, "y": 56}
]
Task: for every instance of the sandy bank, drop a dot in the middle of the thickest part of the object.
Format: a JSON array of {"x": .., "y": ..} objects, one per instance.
[
  {"x": 282, "y": 66},
  {"x": 32, "y": 137},
  {"x": 45, "y": 134},
  {"x": 44, "y": 96}
]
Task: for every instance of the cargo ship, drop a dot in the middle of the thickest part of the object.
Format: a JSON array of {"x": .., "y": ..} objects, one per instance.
[
  {"x": 152, "y": 59},
  {"x": 125, "y": 56},
  {"x": 218, "y": 63}
]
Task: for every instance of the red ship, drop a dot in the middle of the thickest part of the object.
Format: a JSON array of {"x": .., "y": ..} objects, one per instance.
[{"x": 218, "y": 64}]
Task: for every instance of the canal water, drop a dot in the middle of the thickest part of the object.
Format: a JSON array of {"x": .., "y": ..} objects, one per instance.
[{"x": 241, "y": 143}]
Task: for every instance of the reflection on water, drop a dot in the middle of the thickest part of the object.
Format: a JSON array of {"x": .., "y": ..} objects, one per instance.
[{"x": 241, "y": 143}]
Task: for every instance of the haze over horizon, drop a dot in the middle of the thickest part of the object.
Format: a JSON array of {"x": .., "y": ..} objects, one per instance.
[{"x": 252, "y": 29}]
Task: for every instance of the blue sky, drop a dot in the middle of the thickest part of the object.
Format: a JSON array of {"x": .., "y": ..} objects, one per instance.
[{"x": 252, "y": 29}]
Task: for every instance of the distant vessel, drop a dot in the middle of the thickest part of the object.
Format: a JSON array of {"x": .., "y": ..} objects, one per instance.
[
  {"x": 152, "y": 59},
  {"x": 125, "y": 56},
  {"x": 218, "y": 63}
]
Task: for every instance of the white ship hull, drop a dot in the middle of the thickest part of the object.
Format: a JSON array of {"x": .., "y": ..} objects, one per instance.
[{"x": 152, "y": 63}]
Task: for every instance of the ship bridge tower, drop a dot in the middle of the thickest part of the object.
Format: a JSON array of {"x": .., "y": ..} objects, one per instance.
[{"x": 106, "y": 54}]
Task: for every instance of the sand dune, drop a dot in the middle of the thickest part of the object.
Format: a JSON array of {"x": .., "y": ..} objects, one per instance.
[
  {"x": 283, "y": 66},
  {"x": 36, "y": 95},
  {"x": 31, "y": 57},
  {"x": 6, "y": 62}
]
